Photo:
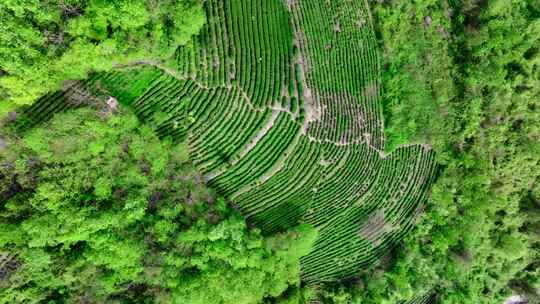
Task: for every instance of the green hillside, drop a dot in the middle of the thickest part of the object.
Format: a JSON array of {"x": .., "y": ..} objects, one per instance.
[
  {"x": 405, "y": 134},
  {"x": 289, "y": 130}
]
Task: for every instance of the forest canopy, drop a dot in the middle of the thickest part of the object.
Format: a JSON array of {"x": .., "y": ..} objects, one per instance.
[
  {"x": 463, "y": 76},
  {"x": 43, "y": 43},
  {"x": 96, "y": 208}
]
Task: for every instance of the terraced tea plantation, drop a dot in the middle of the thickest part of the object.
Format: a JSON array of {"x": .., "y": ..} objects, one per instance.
[{"x": 280, "y": 104}]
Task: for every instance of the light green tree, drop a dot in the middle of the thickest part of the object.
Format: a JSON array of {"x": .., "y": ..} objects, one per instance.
[
  {"x": 96, "y": 208},
  {"x": 43, "y": 43}
]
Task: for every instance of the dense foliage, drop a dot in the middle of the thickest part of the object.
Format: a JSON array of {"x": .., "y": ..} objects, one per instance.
[
  {"x": 464, "y": 76},
  {"x": 280, "y": 155},
  {"x": 95, "y": 208},
  {"x": 43, "y": 43}
]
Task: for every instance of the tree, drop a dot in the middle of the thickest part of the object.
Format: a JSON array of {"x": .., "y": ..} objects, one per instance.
[
  {"x": 473, "y": 69},
  {"x": 96, "y": 208},
  {"x": 43, "y": 43}
]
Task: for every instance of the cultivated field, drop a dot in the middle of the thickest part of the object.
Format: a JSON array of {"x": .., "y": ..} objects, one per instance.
[{"x": 280, "y": 105}]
